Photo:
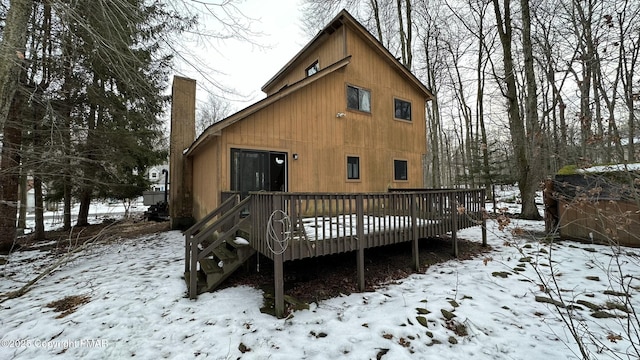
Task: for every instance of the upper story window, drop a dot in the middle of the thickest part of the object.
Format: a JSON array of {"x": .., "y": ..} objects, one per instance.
[
  {"x": 400, "y": 170},
  {"x": 401, "y": 109},
  {"x": 314, "y": 68},
  {"x": 358, "y": 99},
  {"x": 153, "y": 175},
  {"x": 353, "y": 168}
]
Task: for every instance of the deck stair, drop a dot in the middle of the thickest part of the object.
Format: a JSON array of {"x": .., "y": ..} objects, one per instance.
[{"x": 212, "y": 251}]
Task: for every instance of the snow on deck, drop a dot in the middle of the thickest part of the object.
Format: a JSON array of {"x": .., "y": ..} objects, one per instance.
[{"x": 319, "y": 228}]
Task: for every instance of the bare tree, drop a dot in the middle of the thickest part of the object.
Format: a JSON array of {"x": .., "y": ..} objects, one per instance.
[
  {"x": 528, "y": 179},
  {"x": 214, "y": 110}
]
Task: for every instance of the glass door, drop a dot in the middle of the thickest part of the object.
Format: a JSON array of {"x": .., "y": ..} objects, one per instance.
[{"x": 253, "y": 170}]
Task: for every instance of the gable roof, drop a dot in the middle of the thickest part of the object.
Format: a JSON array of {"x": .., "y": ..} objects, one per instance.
[
  {"x": 345, "y": 18},
  {"x": 342, "y": 19}
]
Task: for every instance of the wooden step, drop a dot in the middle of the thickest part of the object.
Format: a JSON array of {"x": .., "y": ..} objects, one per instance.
[
  {"x": 232, "y": 241},
  {"x": 210, "y": 266},
  {"x": 224, "y": 254},
  {"x": 213, "y": 280}
]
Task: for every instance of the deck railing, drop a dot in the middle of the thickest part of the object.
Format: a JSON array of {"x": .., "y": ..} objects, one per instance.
[{"x": 329, "y": 223}]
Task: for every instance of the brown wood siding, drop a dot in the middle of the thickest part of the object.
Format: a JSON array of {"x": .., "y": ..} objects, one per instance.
[
  {"x": 206, "y": 176},
  {"x": 380, "y": 132},
  {"x": 328, "y": 53},
  {"x": 306, "y": 123}
]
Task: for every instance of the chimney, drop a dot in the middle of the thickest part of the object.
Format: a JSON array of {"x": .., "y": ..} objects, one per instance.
[{"x": 182, "y": 135}]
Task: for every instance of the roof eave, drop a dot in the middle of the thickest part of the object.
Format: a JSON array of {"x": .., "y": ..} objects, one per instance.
[{"x": 334, "y": 24}]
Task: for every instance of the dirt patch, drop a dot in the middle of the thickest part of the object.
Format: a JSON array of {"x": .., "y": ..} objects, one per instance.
[
  {"x": 68, "y": 305},
  {"x": 315, "y": 279}
]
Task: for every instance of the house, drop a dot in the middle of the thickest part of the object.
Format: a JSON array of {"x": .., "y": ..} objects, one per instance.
[
  {"x": 157, "y": 176},
  {"x": 307, "y": 171},
  {"x": 343, "y": 115}
]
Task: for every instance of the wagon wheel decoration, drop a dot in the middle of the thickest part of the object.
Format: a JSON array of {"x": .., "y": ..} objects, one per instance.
[{"x": 278, "y": 232}]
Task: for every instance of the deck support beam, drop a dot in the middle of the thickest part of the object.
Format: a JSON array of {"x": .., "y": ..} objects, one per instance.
[
  {"x": 483, "y": 211},
  {"x": 454, "y": 222},
  {"x": 278, "y": 268},
  {"x": 415, "y": 251},
  {"x": 193, "y": 270},
  {"x": 484, "y": 232},
  {"x": 361, "y": 240}
]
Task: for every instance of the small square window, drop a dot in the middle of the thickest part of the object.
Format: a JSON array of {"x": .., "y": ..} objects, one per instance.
[
  {"x": 358, "y": 99},
  {"x": 314, "y": 68},
  {"x": 154, "y": 175},
  {"x": 402, "y": 109},
  {"x": 353, "y": 168},
  {"x": 400, "y": 170}
]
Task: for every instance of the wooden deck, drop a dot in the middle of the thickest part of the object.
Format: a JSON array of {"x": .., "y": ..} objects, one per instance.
[{"x": 292, "y": 226}]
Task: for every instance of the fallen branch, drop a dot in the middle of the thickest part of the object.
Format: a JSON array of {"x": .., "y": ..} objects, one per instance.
[{"x": 73, "y": 254}]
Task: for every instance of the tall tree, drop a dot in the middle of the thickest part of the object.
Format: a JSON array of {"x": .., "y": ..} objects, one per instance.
[
  {"x": 527, "y": 177},
  {"x": 121, "y": 92},
  {"x": 9, "y": 174},
  {"x": 12, "y": 52}
]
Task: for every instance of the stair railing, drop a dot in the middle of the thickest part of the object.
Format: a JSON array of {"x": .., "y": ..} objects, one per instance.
[
  {"x": 197, "y": 227},
  {"x": 229, "y": 212}
]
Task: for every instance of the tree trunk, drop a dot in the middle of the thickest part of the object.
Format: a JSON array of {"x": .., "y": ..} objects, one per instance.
[
  {"x": 83, "y": 212},
  {"x": 403, "y": 43},
  {"x": 66, "y": 208},
  {"x": 38, "y": 233},
  {"x": 14, "y": 38},
  {"x": 433, "y": 119},
  {"x": 516, "y": 124},
  {"x": 376, "y": 14},
  {"x": 10, "y": 174},
  {"x": 22, "y": 216},
  {"x": 409, "y": 45},
  {"x": 530, "y": 183}
]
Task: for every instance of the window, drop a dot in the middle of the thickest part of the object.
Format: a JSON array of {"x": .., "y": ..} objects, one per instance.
[
  {"x": 154, "y": 175},
  {"x": 314, "y": 68},
  {"x": 358, "y": 99},
  {"x": 400, "y": 170},
  {"x": 353, "y": 168},
  {"x": 402, "y": 109}
]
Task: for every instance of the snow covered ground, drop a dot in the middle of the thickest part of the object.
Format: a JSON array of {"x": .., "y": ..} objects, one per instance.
[
  {"x": 131, "y": 303},
  {"x": 98, "y": 212}
]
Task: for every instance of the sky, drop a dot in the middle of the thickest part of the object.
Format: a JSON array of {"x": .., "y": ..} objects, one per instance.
[
  {"x": 130, "y": 302},
  {"x": 243, "y": 66}
]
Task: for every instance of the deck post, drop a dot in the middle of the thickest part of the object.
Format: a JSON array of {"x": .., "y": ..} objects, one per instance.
[
  {"x": 278, "y": 268},
  {"x": 193, "y": 272},
  {"x": 414, "y": 232},
  {"x": 483, "y": 213},
  {"x": 361, "y": 240},
  {"x": 187, "y": 251},
  {"x": 454, "y": 222}
]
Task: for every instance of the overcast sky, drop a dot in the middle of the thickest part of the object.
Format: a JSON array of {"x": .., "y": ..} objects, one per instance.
[{"x": 243, "y": 66}]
